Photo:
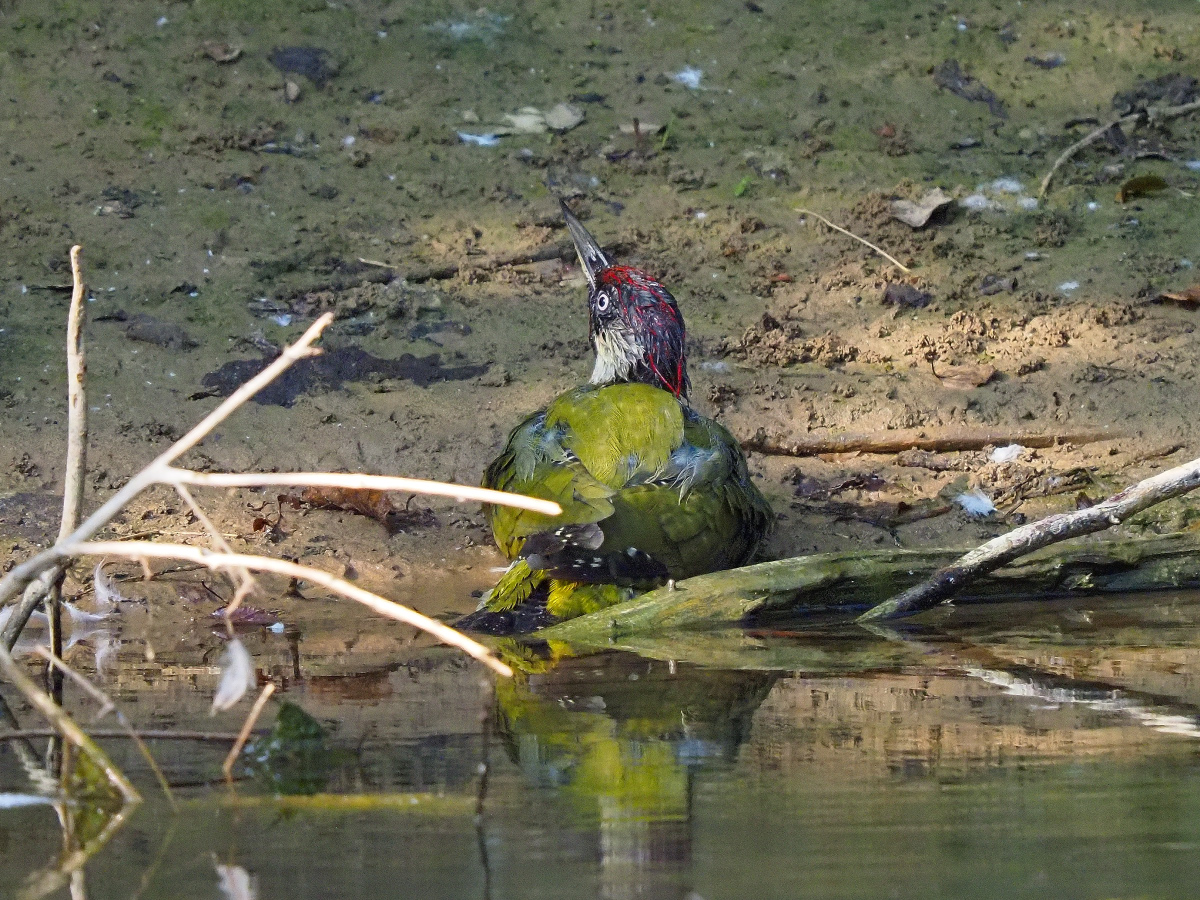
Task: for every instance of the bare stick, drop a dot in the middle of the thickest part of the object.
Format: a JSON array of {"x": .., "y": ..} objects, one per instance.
[
  {"x": 247, "y": 727},
  {"x": 20, "y": 575},
  {"x": 49, "y": 585},
  {"x": 1151, "y": 114},
  {"x": 460, "y": 492},
  {"x": 77, "y": 425},
  {"x": 899, "y": 441},
  {"x": 106, "y": 706},
  {"x": 947, "y": 581},
  {"x": 879, "y": 250},
  {"x": 226, "y": 561}
]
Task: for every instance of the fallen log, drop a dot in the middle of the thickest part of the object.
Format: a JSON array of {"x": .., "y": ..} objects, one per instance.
[{"x": 848, "y": 583}]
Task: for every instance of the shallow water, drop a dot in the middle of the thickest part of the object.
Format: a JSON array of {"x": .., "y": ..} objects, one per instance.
[{"x": 1021, "y": 754}]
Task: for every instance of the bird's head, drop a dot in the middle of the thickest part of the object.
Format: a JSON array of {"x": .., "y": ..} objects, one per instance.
[{"x": 634, "y": 323}]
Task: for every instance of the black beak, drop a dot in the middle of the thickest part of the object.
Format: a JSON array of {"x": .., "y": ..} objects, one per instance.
[{"x": 591, "y": 257}]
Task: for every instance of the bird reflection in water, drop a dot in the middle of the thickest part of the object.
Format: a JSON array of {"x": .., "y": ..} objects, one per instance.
[{"x": 620, "y": 739}]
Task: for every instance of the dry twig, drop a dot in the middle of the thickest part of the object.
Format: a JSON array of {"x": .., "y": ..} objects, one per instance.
[
  {"x": 947, "y": 581},
  {"x": 146, "y": 734},
  {"x": 899, "y": 441},
  {"x": 1152, "y": 114},
  {"x": 25, "y": 572},
  {"x": 879, "y": 250},
  {"x": 247, "y": 727}
]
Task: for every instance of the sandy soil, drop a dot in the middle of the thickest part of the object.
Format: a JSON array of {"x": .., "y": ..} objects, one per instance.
[{"x": 221, "y": 209}]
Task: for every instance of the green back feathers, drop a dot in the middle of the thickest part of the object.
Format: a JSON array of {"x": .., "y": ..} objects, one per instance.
[
  {"x": 654, "y": 475},
  {"x": 620, "y": 431}
]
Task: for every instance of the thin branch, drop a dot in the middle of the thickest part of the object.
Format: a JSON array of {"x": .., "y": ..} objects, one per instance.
[
  {"x": 77, "y": 425},
  {"x": 225, "y": 561},
  {"x": 899, "y": 441},
  {"x": 22, "y": 574},
  {"x": 947, "y": 581},
  {"x": 49, "y": 585},
  {"x": 879, "y": 250},
  {"x": 247, "y": 727},
  {"x": 1152, "y": 114},
  {"x": 106, "y": 706},
  {"x": 460, "y": 492},
  {"x": 245, "y": 580}
]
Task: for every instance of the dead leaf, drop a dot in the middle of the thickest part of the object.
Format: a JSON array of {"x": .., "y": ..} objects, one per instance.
[
  {"x": 248, "y": 616},
  {"x": 220, "y": 52},
  {"x": 375, "y": 504},
  {"x": 1140, "y": 186},
  {"x": 918, "y": 214},
  {"x": 963, "y": 378},
  {"x": 1189, "y": 298}
]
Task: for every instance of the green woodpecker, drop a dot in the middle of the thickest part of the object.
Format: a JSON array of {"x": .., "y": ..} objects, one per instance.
[{"x": 650, "y": 489}]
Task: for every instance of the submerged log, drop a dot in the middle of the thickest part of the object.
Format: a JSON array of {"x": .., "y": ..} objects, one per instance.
[{"x": 848, "y": 583}]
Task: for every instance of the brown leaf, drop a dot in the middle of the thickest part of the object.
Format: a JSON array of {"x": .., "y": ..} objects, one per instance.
[
  {"x": 963, "y": 378},
  {"x": 375, "y": 504},
  {"x": 1189, "y": 298},
  {"x": 248, "y": 616}
]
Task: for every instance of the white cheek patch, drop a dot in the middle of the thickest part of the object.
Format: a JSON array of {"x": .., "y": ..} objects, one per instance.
[{"x": 615, "y": 357}]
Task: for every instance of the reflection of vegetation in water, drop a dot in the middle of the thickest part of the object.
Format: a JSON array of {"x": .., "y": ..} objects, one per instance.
[
  {"x": 295, "y": 758},
  {"x": 620, "y": 738},
  {"x": 94, "y": 801}
]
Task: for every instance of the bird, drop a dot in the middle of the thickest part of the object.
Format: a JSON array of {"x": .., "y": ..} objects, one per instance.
[{"x": 651, "y": 490}]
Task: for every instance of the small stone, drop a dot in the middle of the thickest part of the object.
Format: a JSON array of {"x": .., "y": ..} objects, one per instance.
[
  {"x": 905, "y": 295},
  {"x": 563, "y": 117},
  {"x": 291, "y": 92}
]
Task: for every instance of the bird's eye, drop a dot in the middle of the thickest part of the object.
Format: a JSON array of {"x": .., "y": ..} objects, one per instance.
[{"x": 602, "y": 302}]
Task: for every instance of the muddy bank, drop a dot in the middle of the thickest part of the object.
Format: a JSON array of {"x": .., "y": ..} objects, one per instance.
[{"x": 232, "y": 173}]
